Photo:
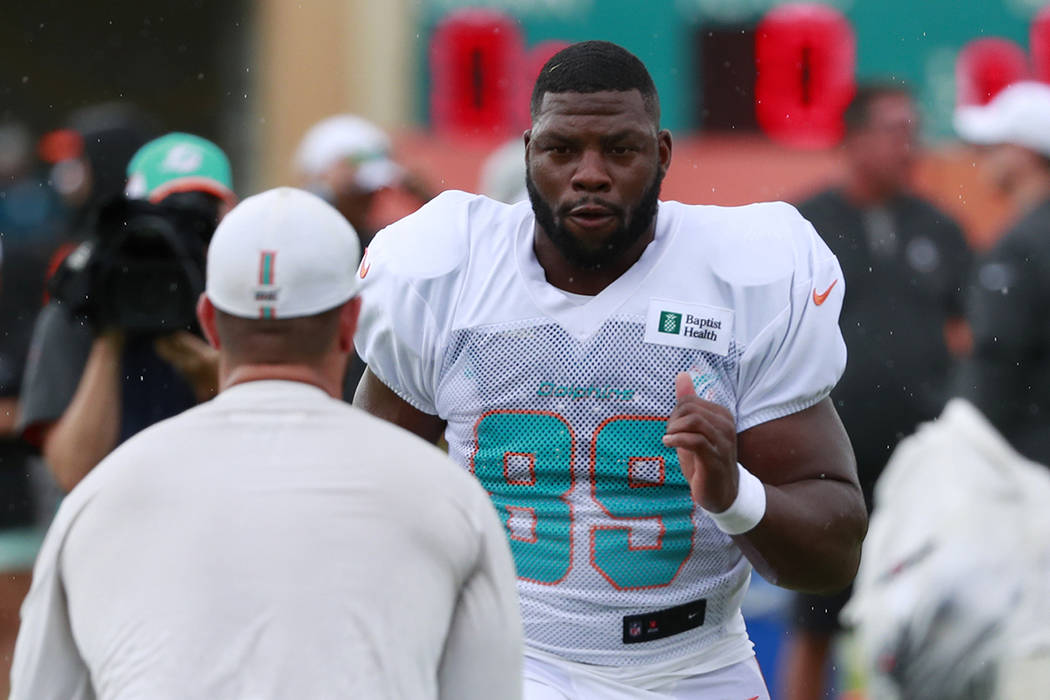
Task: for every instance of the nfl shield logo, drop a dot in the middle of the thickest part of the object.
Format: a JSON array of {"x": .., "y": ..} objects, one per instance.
[{"x": 635, "y": 629}]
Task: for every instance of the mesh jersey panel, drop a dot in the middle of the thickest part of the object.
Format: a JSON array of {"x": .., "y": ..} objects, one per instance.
[{"x": 598, "y": 514}]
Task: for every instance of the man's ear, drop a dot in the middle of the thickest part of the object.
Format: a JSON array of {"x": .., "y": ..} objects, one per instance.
[
  {"x": 348, "y": 316},
  {"x": 664, "y": 148},
  {"x": 206, "y": 317}
]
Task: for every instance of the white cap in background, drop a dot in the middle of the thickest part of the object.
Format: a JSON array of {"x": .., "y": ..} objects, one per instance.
[
  {"x": 282, "y": 254},
  {"x": 503, "y": 173},
  {"x": 349, "y": 137},
  {"x": 1018, "y": 115}
]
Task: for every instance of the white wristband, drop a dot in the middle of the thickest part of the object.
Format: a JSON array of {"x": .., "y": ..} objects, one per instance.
[{"x": 747, "y": 509}]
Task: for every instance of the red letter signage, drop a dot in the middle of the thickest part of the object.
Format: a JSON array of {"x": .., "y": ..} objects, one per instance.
[{"x": 804, "y": 61}]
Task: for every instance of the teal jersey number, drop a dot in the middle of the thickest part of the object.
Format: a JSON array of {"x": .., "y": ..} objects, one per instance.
[
  {"x": 621, "y": 447},
  {"x": 544, "y": 442},
  {"x": 525, "y": 461}
]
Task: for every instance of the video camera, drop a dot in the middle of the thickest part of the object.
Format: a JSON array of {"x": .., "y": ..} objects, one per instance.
[{"x": 142, "y": 270}]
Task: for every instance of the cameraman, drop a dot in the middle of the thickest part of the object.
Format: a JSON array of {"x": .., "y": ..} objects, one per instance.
[{"x": 90, "y": 384}]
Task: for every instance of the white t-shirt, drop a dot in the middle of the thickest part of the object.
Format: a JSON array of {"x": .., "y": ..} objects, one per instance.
[
  {"x": 272, "y": 543},
  {"x": 558, "y": 404}
]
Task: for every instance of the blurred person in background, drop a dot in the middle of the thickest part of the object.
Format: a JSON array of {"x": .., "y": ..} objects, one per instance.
[
  {"x": 906, "y": 263},
  {"x": 952, "y": 600},
  {"x": 1008, "y": 375},
  {"x": 90, "y": 156},
  {"x": 347, "y": 161},
  {"x": 91, "y": 385},
  {"x": 502, "y": 174},
  {"x": 32, "y": 220},
  {"x": 32, "y": 225}
]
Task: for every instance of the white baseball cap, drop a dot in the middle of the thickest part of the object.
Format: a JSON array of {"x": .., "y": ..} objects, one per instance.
[
  {"x": 503, "y": 173},
  {"x": 1018, "y": 115},
  {"x": 349, "y": 137},
  {"x": 282, "y": 254}
]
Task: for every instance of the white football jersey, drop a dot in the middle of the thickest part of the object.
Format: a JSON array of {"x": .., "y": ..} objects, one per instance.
[{"x": 557, "y": 402}]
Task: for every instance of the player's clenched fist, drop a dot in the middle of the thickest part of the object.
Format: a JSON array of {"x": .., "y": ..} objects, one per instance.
[{"x": 704, "y": 435}]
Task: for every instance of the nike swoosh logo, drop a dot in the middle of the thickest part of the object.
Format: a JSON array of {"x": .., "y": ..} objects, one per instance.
[
  {"x": 818, "y": 299},
  {"x": 365, "y": 265}
]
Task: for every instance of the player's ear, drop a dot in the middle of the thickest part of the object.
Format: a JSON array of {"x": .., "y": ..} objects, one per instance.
[
  {"x": 348, "y": 316},
  {"x": 206, "y": 317},
  {"x": 664, "y": 144}
]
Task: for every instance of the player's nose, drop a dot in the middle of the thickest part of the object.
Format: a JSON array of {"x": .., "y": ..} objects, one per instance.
[{"x": 592, "y": 173}]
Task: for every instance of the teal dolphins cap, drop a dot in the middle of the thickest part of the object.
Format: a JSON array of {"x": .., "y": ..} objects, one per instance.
[{"x": 179, "y": 162}]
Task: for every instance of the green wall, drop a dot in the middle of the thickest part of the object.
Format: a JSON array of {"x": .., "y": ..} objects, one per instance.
[{"x": 911, "y": 40}]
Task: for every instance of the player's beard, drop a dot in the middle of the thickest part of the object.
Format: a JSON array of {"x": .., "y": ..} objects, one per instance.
[{"x": 621, "y": 239}]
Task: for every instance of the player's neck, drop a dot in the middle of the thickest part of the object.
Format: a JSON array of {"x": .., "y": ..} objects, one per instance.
[{"x": 564, "y": 274}]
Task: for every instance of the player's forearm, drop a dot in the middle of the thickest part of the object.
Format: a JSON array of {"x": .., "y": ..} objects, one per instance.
[
  {"x": 89, "y": 427},
  {"x": 810, "y": 537}
]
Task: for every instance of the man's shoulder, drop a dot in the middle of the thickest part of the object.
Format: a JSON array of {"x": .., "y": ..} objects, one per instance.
[
  {"x": 752, "y": 243},
  {"x": 774, "y": 217},
  {"x": 824, "y": 202},
  {"x": 169, "y": 432},
  {"x": 135, "y": 460},
  {"x": 439, "y": 237}
]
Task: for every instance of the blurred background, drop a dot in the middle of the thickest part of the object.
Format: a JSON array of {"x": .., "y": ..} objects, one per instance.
[
  {"x": 253, "y": 76},
  {"x": 753, "y": 91}
]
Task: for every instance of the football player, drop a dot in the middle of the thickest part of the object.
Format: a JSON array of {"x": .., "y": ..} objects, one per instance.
[{"x": 641, "y": 386}]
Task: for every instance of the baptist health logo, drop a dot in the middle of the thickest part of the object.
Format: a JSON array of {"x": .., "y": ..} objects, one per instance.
[
  {"x": 670, "y": 322},
  {"x": 702, "y": 328},
  {"x": 689, "y": 325}
]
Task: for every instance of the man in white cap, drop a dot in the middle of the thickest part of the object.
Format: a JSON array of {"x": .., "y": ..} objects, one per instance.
[
  {"x": 347, "y": 161},
  {"x": 274, "y": 542},
  {"x": 1008, "y": 376}
]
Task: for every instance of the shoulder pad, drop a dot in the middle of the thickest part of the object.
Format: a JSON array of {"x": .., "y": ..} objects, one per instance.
[
  {"x": 431, "y": 242},
  {"x": 758, "y": 243}
]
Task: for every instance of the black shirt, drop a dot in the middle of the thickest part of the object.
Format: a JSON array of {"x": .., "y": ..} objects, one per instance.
[
  {"x": 905, "y": 265},
  {"x": 1008, "y": 377}
]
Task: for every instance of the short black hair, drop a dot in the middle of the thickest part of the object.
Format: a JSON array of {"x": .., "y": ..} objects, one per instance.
[
  {"x": 595, "y": 66},
  {"x": 858, "y": 112}
]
